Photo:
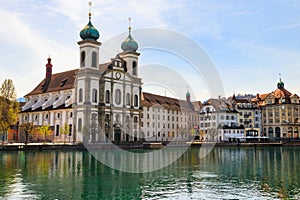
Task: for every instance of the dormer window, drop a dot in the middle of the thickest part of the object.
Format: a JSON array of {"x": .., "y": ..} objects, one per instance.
[
  {"x": 269, "y": 101},
  {"x": 282, "y": 100}
]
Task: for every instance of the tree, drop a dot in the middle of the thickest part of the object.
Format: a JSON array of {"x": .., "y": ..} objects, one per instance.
[
  {"x": 9, "y": 107},
  {"x": 45, "y": 130},
  {"x": 8, "y": 91},
  {"x": 28, "y": 128},
  {"x": 65, "y": 130}
]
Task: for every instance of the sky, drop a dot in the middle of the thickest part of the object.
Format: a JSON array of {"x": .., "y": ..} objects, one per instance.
[{"x": 249, "y": 42}]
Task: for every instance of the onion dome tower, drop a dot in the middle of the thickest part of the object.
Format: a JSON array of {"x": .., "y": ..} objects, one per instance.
[
  {"x": 87, "y": 87},
  {"x": 129, "y": 44},
  {"x": 89, "y": 46},
  {"x": 130, "y": 54},
  {"x": 89, "y": 32},
  {"x": 188, "y": 96}
]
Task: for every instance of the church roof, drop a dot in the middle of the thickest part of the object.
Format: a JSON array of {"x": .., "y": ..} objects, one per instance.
[
  {"x": 57, "y": 82},
  {"x": 60, "y": 81},
  {"x": 169, "y": 103}
]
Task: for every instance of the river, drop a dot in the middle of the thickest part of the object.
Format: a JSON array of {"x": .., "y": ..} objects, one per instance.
[{"x": 225, "y": 173}]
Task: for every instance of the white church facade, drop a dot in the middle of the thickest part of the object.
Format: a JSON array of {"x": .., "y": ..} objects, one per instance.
[{"x": 105, "y": 102}]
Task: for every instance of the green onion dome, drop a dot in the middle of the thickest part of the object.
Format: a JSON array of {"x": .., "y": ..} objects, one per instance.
[
  {"x": 89, "y": 32},
  {"x": 188, "y": 94},
  {"x": 129, "y": 44}
]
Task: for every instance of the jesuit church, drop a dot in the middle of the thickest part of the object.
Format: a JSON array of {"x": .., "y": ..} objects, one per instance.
[{"x": 104, "y": 102}]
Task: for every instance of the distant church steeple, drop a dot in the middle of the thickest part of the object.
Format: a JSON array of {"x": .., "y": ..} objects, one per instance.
[
  {"x": 188, "y": 95},
  {"x": 280, "y": 84}
]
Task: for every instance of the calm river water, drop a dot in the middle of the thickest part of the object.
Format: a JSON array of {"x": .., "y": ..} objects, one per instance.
[{"x": 225, "y": 173}]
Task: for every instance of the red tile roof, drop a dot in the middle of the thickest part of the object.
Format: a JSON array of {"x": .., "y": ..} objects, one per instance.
[
  {"x": 57, "y": 82},
  {"x": 277, "y": 94},
  {"x": 166, "y": 102}
]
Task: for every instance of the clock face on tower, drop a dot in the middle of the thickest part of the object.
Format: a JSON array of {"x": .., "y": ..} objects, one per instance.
[{"x": 118, "y": 75}]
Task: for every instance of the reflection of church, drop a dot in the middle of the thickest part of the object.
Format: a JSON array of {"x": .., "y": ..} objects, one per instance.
[{"x": 101, "y": 102}]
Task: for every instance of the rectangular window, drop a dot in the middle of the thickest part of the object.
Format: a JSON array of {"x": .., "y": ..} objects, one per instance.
[
  {"x": 57, "y": 130},
  {"x": 70, "y": 129}
]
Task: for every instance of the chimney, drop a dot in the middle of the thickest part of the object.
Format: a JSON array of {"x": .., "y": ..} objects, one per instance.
[{"x": 48, "y": 69}]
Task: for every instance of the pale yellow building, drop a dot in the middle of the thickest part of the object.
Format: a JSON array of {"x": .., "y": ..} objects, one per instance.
[{"x": 280, "y": 113}]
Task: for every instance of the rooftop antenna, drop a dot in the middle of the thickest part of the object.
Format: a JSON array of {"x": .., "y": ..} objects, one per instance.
[
  {"x": 90, "y": 9},
  {"x": 129, "y": 24},
  {"x": 280, "y": 77}
]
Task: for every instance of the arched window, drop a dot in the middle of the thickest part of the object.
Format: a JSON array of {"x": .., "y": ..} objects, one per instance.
[
  {"x": 70, "y": 129},
  {"x": 118, "y": 96},
  {"x": 82, "y": 59},
  {"x": 128, "y": 99},
  {"x": 125, "y": 66},
  {"x": 94, "y": 96},
  {"x": 134, "y": 68},
  {"x": 135, "y": 119},
  {"x": 106, "y": 117},
  {"x": 277, "y": 132},
  {"x": 136, "y": 98},
  {"x": 94, "y": 59},
  {"x": 79, "y": 125},
  {"x": 135, "y": 136},
  {"x": 270, "y": 132},
  {"x": 107, "y": 96},
  {"x": 57, "y": 130},
  {"x": 80, "y": 99}
]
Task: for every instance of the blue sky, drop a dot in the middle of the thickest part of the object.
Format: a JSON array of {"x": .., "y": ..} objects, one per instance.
[{"x": 250, "y": 42}]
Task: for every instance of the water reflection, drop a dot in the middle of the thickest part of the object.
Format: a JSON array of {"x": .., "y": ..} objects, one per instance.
[{"x": 226, "y": 173}]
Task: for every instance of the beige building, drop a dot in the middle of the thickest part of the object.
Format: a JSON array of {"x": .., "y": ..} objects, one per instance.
[
  {"x": 168, "y": 119},
  {"x": 280, "y": 113},
  {"x": 249, "y": 114}
]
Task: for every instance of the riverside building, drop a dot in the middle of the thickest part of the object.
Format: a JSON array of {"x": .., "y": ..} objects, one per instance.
[
  {"x": 104, "y": 102},
  {"x": 216, "y": 117},
  {"x": 280, "y": 113}
]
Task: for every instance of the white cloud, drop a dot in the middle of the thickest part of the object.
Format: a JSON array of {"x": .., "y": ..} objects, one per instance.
[{"x": 22, "y": 36}]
